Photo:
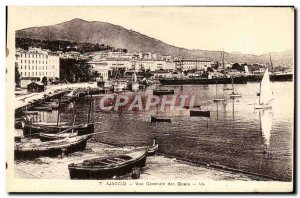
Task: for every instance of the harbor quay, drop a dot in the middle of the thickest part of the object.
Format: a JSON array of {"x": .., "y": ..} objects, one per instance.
[{"x": 170, "y": 167}]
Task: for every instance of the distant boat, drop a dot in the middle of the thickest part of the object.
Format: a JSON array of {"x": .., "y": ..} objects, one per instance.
[
  {"x": 153, "y": 149},
  {"x": 265, "y": 92},
  {"x": 159, "y": 92},
  {"x": 135, "y": 85},
  {"x": 108, "y": 167},
  {"x": 218, "y": 99},
  {"x": 160, "y": 119},
  {"x": 234, "y": 94},
  {"x": 199, "y": 113}
]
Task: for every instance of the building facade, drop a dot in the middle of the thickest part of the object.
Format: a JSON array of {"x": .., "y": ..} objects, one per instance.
[
  {"x": 190, "y": 64},
  {"x": 37, "y": 63}
]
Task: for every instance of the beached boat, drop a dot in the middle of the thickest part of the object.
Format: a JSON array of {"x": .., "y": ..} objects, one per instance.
[
  {"x": 52, "y": 148},
  {"x": 44, "y": 137},
  {"x": 108, "y": 167},
  {"x": 265, "y": 92},
  {"x": 152, "y": 150}
]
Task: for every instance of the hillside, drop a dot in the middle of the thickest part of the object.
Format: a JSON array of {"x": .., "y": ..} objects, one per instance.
[{"x": 78, "y": 30}]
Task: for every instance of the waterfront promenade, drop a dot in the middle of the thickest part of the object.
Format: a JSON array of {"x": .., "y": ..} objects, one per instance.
[{"x": 22, "y": 100}]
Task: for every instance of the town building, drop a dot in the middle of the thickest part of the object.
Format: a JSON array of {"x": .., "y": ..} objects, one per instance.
[
  {"x": 193, "y": 64},
  {"x": 37, "y": 63}
]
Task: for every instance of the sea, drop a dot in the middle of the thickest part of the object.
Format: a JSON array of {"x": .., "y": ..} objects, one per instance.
[{"x": 236, "y": 135}]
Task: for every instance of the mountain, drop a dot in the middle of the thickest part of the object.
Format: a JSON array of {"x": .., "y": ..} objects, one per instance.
[{"x": 78, "y": 30}]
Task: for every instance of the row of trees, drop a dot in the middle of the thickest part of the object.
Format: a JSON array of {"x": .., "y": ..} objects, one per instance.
[
  {"x": 65, "y": 46},
  {"x": 74, "y": 70}
]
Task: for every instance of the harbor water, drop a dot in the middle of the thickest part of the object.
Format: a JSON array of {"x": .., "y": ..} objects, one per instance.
[{"x": 235, "y": 136}]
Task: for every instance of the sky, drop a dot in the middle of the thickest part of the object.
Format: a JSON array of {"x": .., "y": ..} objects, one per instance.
[{"x": 249, "y": 30}]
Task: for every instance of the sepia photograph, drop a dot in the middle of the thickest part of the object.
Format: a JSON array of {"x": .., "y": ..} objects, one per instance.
[{"x": 150, "y": 99}]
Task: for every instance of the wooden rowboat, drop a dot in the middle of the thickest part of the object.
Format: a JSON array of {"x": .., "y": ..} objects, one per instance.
[
  {"x": 108, "y": 167},
  {"x": 160, "y": 92},
  {"x": 44, "y": 137},
  {"x": 29, "y": 150},
  {"x": 160, "y": 119},
  {"x": 152, "y": 150}
]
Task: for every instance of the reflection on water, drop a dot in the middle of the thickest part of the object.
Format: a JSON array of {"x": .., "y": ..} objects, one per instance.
[{"x": 236, "y": 135}]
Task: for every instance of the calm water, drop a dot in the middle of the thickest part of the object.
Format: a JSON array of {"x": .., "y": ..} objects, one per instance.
[{"x": 235, "y": 135}]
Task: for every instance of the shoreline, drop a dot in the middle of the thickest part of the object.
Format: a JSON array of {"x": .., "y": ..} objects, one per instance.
[{"x": 156, "y": 166}]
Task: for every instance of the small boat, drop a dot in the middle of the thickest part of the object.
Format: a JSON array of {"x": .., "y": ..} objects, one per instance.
[
  {"x": 265, "y": 92},
  {"x": 199, "y": 113},
  {"x": 160, "y": 119},
  {"x": 30, "y": 112},
  {"x": 108, "y": 167},
  {"x": 153, "y": 149},
  {"x": 31, "y": 129},
  {"x": 32, "y": 150},
  {"x": 218, "y": 99},
  {"x": 44, "y": 137},
  {"x": 233, "y": 94},
  {"x": 160, "y": 92},
  {"x": 42, "y": 108},
  {"x": 135, "y": 85},
  {"x": 108, "y": 85},
  {"x": 195, "y": 106}
]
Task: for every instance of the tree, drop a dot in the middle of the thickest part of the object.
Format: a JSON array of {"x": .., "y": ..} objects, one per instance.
[
  {"x": 17, "y": 76},
  {"x": 209, "y": 69},
  {"x": 44, "y": 80},
  {"x": 238, "y": 67}
]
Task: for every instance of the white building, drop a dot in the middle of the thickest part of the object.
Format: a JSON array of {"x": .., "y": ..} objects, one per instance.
[
  {"x": 37, "y": 63},
  {"x": 190, "y": 64},
  {"x": 101, "y": 67}
]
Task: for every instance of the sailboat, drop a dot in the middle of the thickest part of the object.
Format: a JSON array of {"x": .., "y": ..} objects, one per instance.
[
  {"x": 218, "y": 99},
  {"x": 265, "y": 92},
  {"x": 135, "y": 85},
  {"x": 233, "y": 94}
]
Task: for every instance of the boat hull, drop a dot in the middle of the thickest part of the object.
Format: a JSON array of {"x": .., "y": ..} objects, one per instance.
[
  {"x": 163, "y": 92},
  {"x": 199, "y": 81},
  {"x": 51, "y": 151},
  {"x": 107, "y": 172},
  {"x": 199, "y": 113},
  {"x": 34, "y": 129}
]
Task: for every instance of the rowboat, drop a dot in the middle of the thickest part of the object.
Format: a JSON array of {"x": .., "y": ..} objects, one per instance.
[
  {"x": 160, "y": 92},
  {"x": 31, "y": 129},
  {"x": 44, "y": 137},
  {"x": 52, "y": 148},
  {"x": 108, "y": 167},
  {"x": 152, "y": 150},
  {"x": 160, "y": 119},
  {"x": 200, "y": 113}
]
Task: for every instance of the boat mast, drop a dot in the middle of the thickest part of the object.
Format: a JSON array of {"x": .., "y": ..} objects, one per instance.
[
  {"x": 223, "y": 62},
  {"x": 89, "y": 115},
  {"x": 271, "y": 63},
  {"x": 232, "y": 84},
  {"x": 259, "y": 93}
]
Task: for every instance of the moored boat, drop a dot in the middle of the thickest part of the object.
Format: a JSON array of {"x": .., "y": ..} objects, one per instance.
[
  {"x": 31, "y": 129},
  {"x": 160, "y": 92},
  {"x": 32, "y": 150},
  {"x": 108, "y": 167},
  {"x": 160, "y": 119}
]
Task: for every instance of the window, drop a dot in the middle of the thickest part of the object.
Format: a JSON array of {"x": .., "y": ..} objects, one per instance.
[
  {"x": 21, "y": 74},
  {"x": 21, "y": 66},
  {"x": 32, "y": 73},
  {"x": 36, "y": 73},
  {"x": 21, "y": 61},
  {"x": 25, "y": 74},
  {"x": 25, "y": 61},
  {"x": 25, "y": 68}
]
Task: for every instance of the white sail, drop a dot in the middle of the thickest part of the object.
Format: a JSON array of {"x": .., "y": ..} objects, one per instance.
[
  {"x": 70, "y": 94},
  {"x": 134, "y": 77},
  {"x": 266, "y": 94},
  {"x": 266, "y": 125}
]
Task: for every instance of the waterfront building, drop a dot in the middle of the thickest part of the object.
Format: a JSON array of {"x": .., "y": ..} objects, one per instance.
[
  {"x": 193, "y": 64},
  {"x": 37, "y": 63}
]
